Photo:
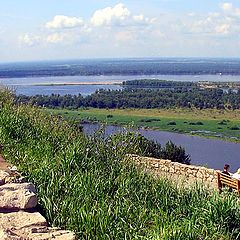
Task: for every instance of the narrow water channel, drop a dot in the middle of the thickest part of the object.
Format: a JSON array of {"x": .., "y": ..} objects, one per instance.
[{"x": 205, "y": 152}]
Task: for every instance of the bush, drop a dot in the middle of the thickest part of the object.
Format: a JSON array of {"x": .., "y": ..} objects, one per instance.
[
  {"x": 172, "y": 123},
  {"x": 171, "y": 151},
  {"x": 195, "y": 123},
  {"x": 234, "y": 128},
  {"x": 148, "y": 120},
  {"x": 223, "y": 122},
  {"x": 175, "y": 153}
]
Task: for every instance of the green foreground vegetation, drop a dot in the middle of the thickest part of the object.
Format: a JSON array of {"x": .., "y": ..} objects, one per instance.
[
  {"x": 87, "y": 185},
  {"x": 223, "y": 124}
]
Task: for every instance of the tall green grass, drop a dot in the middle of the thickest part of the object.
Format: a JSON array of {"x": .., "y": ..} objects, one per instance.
[{"x": 86, "y": 184}]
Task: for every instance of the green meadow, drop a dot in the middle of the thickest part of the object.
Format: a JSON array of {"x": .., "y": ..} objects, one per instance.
[{"x": 208, "y": 123}]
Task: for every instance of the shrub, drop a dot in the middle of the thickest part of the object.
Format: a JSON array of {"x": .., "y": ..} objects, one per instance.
[
  {"x": 175, "y": 153},
  {"x": 234, "y": 128},
  {"x": 223, "y": 122},
  {"x": 172, "y": 123}
]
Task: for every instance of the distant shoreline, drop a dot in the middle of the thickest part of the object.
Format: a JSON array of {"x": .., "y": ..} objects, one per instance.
[{"x": 70, "y": 84}]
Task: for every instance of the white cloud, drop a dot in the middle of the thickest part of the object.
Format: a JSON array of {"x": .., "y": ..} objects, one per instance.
[
  {"x": 138, "y": 18},
  {"x": 229, "y": 9},
  {"x": 223, "y": 29},
  {"x": 61, "y": 21},
  {"x": 29, "y": 40},
  {"x": 110, "y": 15},
  {"x": 55, "y": 38},
  {"x": 124, "y": 36},
  {"x": 227, "y": 6},
  {"x": 223, "y": 23},
  {"x": 117, "y": 15}
]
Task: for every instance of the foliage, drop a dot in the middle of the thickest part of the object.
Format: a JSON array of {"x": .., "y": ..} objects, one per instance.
[
  {"x": 141, "y": 98},
  {"x": 153, "y": 83},
  {"x": 171, "y": 151},
  {"x": 175, "y": 153},
  {"x": 87, "y": 185}
]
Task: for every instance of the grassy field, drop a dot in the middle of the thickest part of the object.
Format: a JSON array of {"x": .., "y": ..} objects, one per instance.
[
  {"x": 210, "y": 123},
  {"x": 87, "y": 185}
]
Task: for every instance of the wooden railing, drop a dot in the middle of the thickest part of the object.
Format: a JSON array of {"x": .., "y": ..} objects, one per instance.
[{"x": 225, "y": 180}]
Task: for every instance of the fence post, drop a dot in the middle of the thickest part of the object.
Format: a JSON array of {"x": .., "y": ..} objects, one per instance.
[
  {"x": 219, "y": 182},
  {"x": 238, "y": 188}
]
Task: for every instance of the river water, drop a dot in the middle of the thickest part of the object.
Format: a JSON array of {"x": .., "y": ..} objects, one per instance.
[
  {"x": 205, "y": 152},
  {"x": 50, "y": 85}
]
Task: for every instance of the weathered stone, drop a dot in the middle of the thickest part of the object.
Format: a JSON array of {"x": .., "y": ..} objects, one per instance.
[
  {"x": 21, "y": 219},
  {"x": 17, "y": 196},
  {"x": 3, "y": 175},
  {"x": 199, "y": 175},
  {"x": 4, "y": 235},
  {"x": 40, "y": 234},
  {"x": 23, "y": 225},
  {"x": 10, "y": 179},
  {"x": 156, "y": 165}
]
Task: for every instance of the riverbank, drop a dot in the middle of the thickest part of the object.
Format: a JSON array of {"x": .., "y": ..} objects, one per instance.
[{"x": 208, "y": 123}]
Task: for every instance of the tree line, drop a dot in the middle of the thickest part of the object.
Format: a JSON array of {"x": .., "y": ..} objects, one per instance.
[{"x": 140, "y": 98}]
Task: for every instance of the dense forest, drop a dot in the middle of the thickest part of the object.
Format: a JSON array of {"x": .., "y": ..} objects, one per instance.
[
  {"x": 153, "y": 83},
  {"x": 141, "y": 98}
]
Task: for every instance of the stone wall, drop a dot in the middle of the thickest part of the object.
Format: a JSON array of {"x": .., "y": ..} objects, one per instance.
[{"x": 188, "y": 173}]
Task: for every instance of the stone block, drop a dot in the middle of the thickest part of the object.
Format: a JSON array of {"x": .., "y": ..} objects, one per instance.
[{"x": 17, "y": 196}]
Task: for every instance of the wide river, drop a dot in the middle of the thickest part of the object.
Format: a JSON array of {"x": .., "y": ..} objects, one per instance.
[
  {"x": 69, "y": 84},
  {"x": 205, "y": 152}
]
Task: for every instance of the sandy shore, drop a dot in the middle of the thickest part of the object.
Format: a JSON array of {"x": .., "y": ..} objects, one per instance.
[{"x": 70, "y": 84}]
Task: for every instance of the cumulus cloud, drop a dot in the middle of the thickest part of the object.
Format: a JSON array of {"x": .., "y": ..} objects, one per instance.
[
  {"x": 227, "y": 6},
  {"x": 110, "y": 15},
  {"x": 29, "y": 40},
  {"x": 55, "y": 38},
  {"x": 124, "y": 36},
  {"x": 229, "y": 9},
  {"x": 222, "y": 23},
  {"x": 117, "y": 15},
  {"x": 223, "y": 29},
  {"x": 61, "y": 21}
]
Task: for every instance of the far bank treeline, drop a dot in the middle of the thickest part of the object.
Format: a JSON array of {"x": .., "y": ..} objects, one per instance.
[{"x": 144, "y": 94}]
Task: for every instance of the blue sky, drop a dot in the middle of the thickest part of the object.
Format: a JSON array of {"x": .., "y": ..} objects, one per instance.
[{"x": 70, "y": 29}]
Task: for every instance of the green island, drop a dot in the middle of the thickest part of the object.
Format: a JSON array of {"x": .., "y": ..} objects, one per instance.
[
  {"x": 213, "y": 123},
  {"x": 87, "y": 185}
]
